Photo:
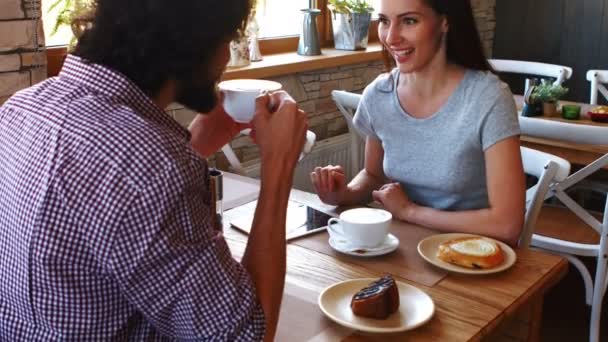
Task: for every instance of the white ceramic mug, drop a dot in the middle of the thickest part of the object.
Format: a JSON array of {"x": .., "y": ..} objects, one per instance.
[
  {"x": 240, "y": 95},
  {"x": 361, "y": 227},
  {"x": 239, "y": 102}
]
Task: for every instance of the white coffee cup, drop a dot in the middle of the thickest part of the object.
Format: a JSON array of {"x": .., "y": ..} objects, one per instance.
[
  {"x": 240, "y": 95},
  {"x": 239, "y": 102},
  {"x": 361, "y": 227}
]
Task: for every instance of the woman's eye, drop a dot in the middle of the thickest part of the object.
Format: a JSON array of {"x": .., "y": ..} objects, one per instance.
[
  {"x": 409, "y": 21},
  {"x": 383, "y": 21}
]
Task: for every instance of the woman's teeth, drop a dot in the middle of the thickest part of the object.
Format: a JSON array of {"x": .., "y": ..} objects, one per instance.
[{"x": 403, "y": 52}]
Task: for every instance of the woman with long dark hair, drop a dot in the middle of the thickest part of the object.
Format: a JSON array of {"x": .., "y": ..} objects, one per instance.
[{"x": 442, "y": 146}]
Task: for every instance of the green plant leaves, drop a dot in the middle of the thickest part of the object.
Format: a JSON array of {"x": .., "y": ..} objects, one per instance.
[
  {"x": 548, "y": 92},
  {"x": 350, "y": 6}
]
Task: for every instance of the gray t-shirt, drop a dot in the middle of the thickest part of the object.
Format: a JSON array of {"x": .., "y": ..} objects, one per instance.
[{"x": 439, "y": 160}]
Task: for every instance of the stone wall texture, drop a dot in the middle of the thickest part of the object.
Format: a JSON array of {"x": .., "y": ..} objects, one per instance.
[
  {"x": 485, "y": 17},
  {"x": 22, "y": 52}
]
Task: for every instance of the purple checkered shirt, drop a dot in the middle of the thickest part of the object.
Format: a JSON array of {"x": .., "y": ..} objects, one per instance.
[{"x": 105, "y": 229}]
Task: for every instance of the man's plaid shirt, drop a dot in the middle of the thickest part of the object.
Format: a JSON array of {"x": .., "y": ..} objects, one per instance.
[{"x": 105, "y": 229}]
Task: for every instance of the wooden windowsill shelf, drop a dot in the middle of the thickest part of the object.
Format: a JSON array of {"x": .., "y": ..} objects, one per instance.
[
  {"x": 291, "y": 62},
  {"x": 272, "y": 65}
]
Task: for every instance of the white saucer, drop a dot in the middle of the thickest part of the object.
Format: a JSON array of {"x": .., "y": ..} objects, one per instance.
[{"x": 390, "y": 244}]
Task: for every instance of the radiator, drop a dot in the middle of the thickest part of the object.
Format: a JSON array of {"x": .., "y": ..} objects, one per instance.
[{"x": 335, "y": 151}]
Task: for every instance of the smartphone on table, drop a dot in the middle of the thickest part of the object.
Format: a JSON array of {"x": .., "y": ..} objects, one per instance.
[{"x": 302, "y": 220}]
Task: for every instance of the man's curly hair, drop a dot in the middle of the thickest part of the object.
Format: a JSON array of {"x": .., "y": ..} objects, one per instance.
[{"x": 153, "y": 41}]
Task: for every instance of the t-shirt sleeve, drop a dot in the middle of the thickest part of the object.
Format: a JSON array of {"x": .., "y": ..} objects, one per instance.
[
  {"x": 500, "y": 122},
  {"x": 176, "y": 268},
  {"x": 362, "y": 119}
]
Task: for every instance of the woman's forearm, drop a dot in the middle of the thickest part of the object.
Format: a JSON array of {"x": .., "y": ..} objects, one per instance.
[{"x": 505, "y": 226}]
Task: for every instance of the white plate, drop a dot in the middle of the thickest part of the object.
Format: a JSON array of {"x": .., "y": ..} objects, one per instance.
[
  {"x": 390, "y": 244},
  {"x": 415, "y": 307},
  {"x": 428, "y": 247}
]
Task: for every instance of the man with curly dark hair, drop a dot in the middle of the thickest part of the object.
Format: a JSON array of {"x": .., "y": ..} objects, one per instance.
[{"x": 106, "y": 226}]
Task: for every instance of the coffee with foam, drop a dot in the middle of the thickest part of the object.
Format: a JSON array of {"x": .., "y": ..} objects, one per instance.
[
  {"x": 365, "y": 215},
  {"x": 361, "y": 227}
]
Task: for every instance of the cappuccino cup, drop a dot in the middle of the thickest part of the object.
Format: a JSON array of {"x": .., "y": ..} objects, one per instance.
[
  {"x": 361, "y": 227},
  {"x": 240, "y": 95}
]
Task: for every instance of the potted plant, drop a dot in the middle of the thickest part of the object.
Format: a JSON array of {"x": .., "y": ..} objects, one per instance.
[
  {"x": 350, "y": 23},
  {"x": 549, "y": 94}
]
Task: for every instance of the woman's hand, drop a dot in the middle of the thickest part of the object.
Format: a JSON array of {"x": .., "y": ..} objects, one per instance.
[
  {"x": 210, "y": 131},
  {"x": 330, "y": 184},
  {"x": 394, "y": 199}
]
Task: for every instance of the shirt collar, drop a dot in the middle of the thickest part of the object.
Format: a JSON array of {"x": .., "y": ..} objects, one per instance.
[{"x": 117, "y": 86}]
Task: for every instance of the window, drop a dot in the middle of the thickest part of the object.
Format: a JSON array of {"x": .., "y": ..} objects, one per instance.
[
  {"x": 376, "y": 5},
  {"x": 280, "y": 18},
  {"x": 280, "y": 23},
  {"x": 64, "y": 33}
]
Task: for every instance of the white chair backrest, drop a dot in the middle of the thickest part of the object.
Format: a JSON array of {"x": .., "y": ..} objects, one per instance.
[
  {"x": 597, "y": 78},
  {"x": 548, "y": 169},
  {"x": 347, "y": 104},
  {"x": 559, "y": 72},
  {"x": 564, "y": 131}
]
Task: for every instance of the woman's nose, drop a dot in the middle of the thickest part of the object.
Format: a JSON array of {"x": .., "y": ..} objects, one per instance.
[{"x": 394, "y": 35}]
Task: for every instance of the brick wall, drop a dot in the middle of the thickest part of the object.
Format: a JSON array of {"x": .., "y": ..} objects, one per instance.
[
  {"x": 22, "y": 56},
  {"x": 485, "y": 17}
]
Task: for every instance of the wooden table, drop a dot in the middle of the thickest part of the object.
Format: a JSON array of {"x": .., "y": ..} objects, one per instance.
[
  {"x": 468, "y": 308},
  {"x": 580, "y": 154}
]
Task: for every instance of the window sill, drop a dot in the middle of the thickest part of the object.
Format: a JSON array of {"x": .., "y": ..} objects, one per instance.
[
  {"x": 272, "y": 65},
  {"x": 291, "y": 62}
]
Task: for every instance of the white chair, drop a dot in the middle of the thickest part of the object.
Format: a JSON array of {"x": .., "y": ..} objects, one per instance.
[
  {"x": 347, "y": 103},
  {"x": 233, "y": 160},
  {"x": 559, "y": 72},
  {"x": 582, "y": 134},
  {"x": 546, "y": 167},
  {"x": 597, "y": 79},
  {"x": 238, "y": 168}
]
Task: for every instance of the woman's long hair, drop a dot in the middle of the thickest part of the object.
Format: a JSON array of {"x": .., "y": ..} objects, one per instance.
[
  {"x": 463, "y": 42},
  {"x": 152, "y": 41}
]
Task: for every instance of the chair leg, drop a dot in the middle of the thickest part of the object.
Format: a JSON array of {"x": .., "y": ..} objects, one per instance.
[
  {"x": 584, "y": 271},
  {"x": 596, "y": 314},
  {"x": 598, "y": 293}
]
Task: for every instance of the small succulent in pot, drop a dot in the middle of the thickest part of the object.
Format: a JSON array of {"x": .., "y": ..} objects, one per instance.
[{"x": 549, "y": 94}]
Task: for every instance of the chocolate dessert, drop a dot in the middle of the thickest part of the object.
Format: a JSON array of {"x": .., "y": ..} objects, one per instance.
[{"x": 378, "y": 300}]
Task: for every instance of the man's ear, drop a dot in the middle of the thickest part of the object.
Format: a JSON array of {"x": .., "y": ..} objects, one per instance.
[{"x": 445, "y": 26}]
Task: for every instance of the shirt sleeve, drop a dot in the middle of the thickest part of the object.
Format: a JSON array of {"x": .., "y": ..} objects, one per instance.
[
  {"x": 362, "y": 119},
  {"x": 177, "y": 269},
  {"x": 500, "y": 122}
]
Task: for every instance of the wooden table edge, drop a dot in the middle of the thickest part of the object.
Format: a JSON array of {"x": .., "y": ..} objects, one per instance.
[{"x": 539, "y": 289}]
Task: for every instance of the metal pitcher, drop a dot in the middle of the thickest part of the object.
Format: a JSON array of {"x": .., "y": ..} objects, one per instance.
[{"x": 309, "y": 38}]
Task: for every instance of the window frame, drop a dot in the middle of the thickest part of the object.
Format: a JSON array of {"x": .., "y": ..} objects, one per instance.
[{"x": 268, "y": 46}]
